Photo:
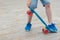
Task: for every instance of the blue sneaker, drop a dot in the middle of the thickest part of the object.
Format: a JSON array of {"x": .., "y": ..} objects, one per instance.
[
  {"x": 28, "y": 27},
  {"x": 52, "y": 28}
]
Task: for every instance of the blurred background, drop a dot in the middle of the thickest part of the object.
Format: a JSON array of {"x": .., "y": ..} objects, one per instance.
[{"x": 13, "y": 19}]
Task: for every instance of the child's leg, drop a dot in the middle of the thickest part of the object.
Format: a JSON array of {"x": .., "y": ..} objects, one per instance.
[
  {"x": 49, "y": 16},
  {"x": 30, "y": 14},
  {"x": 33, "y": 4},
  {"x": 48, "y": 12},
  {"x": 46, "y": 4},
  {"x": 51, "y": 27},
  {"x": 28, "y": 25}
]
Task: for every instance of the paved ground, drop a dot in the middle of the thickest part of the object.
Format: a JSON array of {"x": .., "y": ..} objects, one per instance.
[{"x": 13, "y": 19}]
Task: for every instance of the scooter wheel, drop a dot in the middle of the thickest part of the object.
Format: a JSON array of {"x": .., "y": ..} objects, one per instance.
[{"x": 45, "y": 31}]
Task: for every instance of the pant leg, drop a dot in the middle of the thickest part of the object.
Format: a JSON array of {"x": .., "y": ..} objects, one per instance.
[
  {"x": 34, "y": 3},
  {"x": 44, "y": 2}
]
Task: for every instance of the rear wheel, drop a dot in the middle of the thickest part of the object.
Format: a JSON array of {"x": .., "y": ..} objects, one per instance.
[{"x": 45, "y": 31}]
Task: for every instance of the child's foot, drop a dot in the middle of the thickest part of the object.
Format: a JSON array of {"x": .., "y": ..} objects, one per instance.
[
  {"x": 28, "y": 27},
  {"x": 52, "y": 28}
]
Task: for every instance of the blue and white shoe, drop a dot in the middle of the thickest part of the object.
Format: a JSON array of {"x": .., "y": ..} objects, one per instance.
[
  {"x": 28, "y": 27},
  {"x": 52, "y": 28}
]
